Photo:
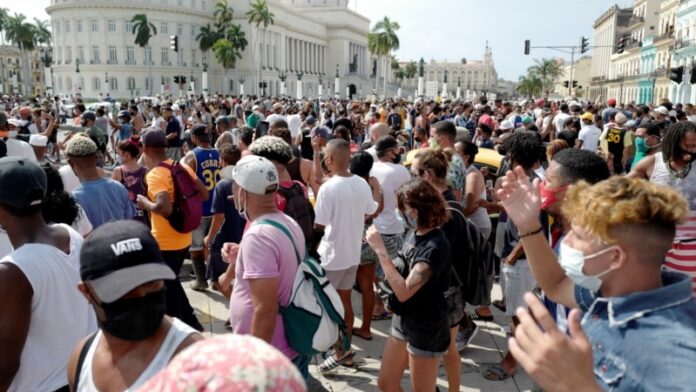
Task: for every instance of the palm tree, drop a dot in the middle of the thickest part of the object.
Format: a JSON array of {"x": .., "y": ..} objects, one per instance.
[
  {"x": 42, "y": 32},
  {"x": 388, "y": 28},
  {"x": 144, "y": 30},
  {"x": 4, "y": 14},
  {"x": 260, "y": 15},
  {"x": 529, "y": 86},
  {"x": 411, "y": 70},
  {"x": 223, "y": 14},
  {"x": 207, "y": 37},
  {"x": 226, "y": 54},
  {"x": 400, "y": 74},
  {"x": 377, "y": 45},
  {"x": 22, "y": 33},
  {"x": 548, "y": 71}
]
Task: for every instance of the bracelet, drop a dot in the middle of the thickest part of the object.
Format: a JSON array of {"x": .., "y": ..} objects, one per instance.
[{"x": 531, "y": 233}]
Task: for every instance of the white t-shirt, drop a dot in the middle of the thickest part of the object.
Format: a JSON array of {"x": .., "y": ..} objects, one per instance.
[
  {"x": 341, "y": 206},
  {"x": 390, "y": 176},
  {"x": 590, "y": 137},
  {"x": 559, "y": 120},
  {"x": 5, "y": 244},
  {"x": 60, "y": 315},
  {"x": 276, "y": 117},
  {"x": 294, "y": 121},
  {"x": 70, "y": 180},
  {"x": 18, "y": 148}
]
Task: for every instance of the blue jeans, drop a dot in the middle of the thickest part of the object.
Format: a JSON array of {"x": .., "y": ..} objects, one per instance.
[{"x": 301, "y": 361}]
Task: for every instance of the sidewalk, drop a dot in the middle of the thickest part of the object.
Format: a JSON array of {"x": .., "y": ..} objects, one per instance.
[{"x": 488, "y": 347}]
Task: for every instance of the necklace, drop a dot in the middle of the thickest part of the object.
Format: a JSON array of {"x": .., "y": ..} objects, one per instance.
[{"x": 678, "y": 174}]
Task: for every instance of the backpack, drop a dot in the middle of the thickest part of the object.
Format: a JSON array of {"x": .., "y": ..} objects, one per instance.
[
  {"x": 298, "y": 207},
  {"x": 477, "y": 271},
  {"x": 313, "y": 318},
  {"x": 394, "y": 120},
  {"x": 187, "y": 208}
]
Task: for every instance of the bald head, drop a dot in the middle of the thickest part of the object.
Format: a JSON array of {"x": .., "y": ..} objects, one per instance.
[
  {"x": 337, "y": 154},
  {"x": 378, "y": 130}
]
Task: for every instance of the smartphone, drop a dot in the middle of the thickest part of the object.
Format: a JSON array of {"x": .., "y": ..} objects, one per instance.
[{"x": 262, "y": 129}]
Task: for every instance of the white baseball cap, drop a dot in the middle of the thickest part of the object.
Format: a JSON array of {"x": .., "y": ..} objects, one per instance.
[
  {"x": 256, "y": 174},
  {"x": 507, "y": 124},
  {"x": 662, "y": 110}
]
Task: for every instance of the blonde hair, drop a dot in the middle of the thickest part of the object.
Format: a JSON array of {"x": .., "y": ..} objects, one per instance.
[{"x": 608, "y": 208}]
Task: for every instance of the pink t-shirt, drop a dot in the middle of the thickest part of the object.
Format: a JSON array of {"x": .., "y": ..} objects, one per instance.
[{"x": 266, "y": 252}]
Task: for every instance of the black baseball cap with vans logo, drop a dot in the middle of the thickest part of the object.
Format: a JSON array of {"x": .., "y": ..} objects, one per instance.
[{"x": 120, "y": 256}]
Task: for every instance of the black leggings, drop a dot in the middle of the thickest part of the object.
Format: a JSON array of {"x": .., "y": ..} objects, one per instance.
[{"x": 177, "y": 302}]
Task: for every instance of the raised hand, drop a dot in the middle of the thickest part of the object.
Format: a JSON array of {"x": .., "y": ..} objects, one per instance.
[
  {"x": 555, "y": 361},
  {"x": 521, "y": 199}
]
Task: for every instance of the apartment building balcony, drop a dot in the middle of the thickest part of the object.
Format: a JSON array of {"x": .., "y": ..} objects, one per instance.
[
  {"x": 634, "y": 21},
  {"x": 684, "y": 43},
  {"x": 664, "y": 36}
]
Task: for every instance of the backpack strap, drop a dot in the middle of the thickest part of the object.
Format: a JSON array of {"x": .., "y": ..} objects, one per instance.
[
  {"x": 450, "y": 207},
  {"x": 285, "y": 230},
  {"x": 81, "y": 360}
]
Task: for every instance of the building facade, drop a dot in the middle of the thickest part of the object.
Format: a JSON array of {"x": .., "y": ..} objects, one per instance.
[
  {"x": 582, "y": 73},
  {"x": 607, "y": 30},
  {"x": 475, "y": 76},
  {"x": 12, "y": 75},
  {"x": 685, "y": 51},
  {"x": 310, "y": 41}
]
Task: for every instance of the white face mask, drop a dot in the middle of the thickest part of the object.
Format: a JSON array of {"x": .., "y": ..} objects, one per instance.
[
  {"x": 13, "y": 134},
  {"x": 572, "y": 261}
]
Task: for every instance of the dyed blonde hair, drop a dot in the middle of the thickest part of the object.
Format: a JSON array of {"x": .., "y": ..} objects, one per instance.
[{"x": 612, "y": 207}]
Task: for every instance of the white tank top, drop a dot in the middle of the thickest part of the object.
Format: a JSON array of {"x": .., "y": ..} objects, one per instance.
[
  {"x": 178, "y": 332},
  {"x": 686, "y": 186}
]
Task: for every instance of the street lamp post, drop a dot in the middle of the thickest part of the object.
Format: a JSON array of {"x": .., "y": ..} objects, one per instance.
[
  {"x": 282, "y": 76},
  {"x": 204, "y": 78},
  {"x": 299, "y": 85},
  {"x": 337, "y": 83},
  {"x": 192, "y": 86},
  {"x": 78, "y": 84},
  {"x": 321, "y": 85},
  {"x": 241, "y": 86},
  {"x": 47, "y": 58},
  {"x": 106, "y": 82},
  {"x": 459, "y": 87}
]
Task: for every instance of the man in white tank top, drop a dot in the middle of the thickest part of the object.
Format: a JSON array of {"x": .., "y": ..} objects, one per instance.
[
  {"x": 42, "y": 315},
  {"x": 123, "y": 275}
]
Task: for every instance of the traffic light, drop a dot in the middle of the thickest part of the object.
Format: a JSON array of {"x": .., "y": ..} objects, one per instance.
[
  {"x": 527, "y": 46},
  {"x": 692, "y": 79},
  {"x": 676, "y": 74},
  {"x": 174, "y": 42},
  {"x": 584, "y": 44},
  {"x": 565, "y": 84},
  {"x": 575, "y": 83},
  {"x": 183, "y": 79},
  {"x": 622, "y": 45},
  {"x": 176, "y": 79}
]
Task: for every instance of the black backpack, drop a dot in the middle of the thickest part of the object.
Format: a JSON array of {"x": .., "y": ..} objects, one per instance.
[
  {"x": 477, "y": 271},
  {"x": 298, "y": 207}
]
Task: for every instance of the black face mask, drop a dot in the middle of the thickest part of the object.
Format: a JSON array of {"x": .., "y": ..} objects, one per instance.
[
  {"x": 396, "y": 159},
  {"x": 134, "y": 318}
]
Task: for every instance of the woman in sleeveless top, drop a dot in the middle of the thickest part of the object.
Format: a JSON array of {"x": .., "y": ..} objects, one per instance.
[
  {"x": 132, "y": 176},
  {"x": 673, "y": 167},
  {"x": 475, "y": 189}
]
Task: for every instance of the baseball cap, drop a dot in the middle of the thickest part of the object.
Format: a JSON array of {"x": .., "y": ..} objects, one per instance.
[
  {"x": 89, "y": 116},
  {"x": 385, "y": 143},
  {"x": 154, "y": 138},
  {"x": 527, "y": 119},
  {"x": 222, "y": 119},
  {"x": 311, "y": 120},
  {"x": 587, "y": 116},
  {"x": 120, "y": 256},
  {"x": 22, "y": 183},
  {"x": 320, "y": 132},
  {"x": 611, "y": 102},
  {"x": 507, "y": 124},
  {"x": 662, "y": 110},
  {"x": 256, "y": 174},
  {"x": 81, "y": 146}
]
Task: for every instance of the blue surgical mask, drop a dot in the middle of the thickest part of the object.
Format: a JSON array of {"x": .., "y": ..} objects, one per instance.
[{"x": 572, "y": 262}]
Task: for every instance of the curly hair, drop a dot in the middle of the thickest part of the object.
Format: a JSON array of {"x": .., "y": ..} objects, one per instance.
[
  {"x": 524, "y": 148},
  {"x": 58, "y": 206},
  {"x": 272, "y": 148},
  {"x": 429, "y": 204},
  {"x": 673, "y": 137},
  {"x": 613, "y": 209}
]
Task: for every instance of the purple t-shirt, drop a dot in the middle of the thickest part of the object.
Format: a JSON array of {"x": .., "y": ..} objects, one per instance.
[{"x": 266, "y": 252}]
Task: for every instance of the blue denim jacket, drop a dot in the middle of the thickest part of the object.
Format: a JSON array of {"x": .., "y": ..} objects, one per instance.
[{"x": 644, "y": 341}]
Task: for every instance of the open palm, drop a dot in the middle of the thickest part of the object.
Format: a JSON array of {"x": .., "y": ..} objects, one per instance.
[{"x": 521, "y": 200}]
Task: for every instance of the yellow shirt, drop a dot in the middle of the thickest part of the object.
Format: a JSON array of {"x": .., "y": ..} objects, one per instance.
[
  {"x": 383, "y": 113},
  {"x": 159, "y": 179}
]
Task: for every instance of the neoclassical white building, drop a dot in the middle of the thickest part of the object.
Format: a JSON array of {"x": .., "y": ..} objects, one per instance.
[{"x": 311, "y": 40}]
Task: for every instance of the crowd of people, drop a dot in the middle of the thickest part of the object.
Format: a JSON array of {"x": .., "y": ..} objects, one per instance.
[{"x": 592, "y": 240}]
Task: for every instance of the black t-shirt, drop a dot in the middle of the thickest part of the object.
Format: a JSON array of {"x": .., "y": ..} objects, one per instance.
[
  {"x": 569, "y": 136},
  {"x": 345, "y": 122},
  {"x": 173, "y": 126},
  {"x": 428, "y": 304},
  {"x": 306, "y": 149}
]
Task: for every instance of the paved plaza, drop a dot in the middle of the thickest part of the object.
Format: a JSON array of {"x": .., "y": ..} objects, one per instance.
[{"x": 488, "y": 347}]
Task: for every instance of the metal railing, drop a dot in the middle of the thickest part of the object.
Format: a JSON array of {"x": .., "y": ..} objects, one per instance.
[{"x": 684, "y": 43}]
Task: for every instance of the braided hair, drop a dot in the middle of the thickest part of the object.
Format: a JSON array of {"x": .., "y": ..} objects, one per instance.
[{"x": 675, "y": 133}]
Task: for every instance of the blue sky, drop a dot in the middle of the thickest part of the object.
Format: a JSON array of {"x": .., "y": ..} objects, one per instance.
[{"x": 452, "y": 29}]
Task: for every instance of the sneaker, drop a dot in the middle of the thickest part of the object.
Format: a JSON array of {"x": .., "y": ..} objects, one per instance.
[{"x": 465, "y": 337}]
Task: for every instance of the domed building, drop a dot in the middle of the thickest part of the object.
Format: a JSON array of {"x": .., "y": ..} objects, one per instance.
[{"x": 311, "y": 41}]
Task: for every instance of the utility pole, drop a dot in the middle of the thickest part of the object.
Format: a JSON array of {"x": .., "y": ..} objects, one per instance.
[{"x": 572, "y": 66}]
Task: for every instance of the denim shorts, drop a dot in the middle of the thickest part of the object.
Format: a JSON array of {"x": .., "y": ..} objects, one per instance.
[
  {"x": 518, "y": 281},
  {"x": 438, "y": 338},
  {"x": 199, "y": 234}
]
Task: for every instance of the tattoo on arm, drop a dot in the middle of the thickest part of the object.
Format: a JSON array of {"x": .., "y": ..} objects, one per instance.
[{"x": 418, "y": 276}]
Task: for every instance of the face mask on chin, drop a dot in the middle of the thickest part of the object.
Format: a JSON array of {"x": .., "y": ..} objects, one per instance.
[
  {"x": 549, "y": 196},
  {"x": 572, "y": 261}
]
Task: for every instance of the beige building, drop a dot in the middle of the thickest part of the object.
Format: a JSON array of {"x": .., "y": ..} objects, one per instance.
[
  {"x": 607, "y": 30},
  {"x": 310, "y": 41},
  {"x": 581, "y": 73},
  {"x": 12, "y": 78}
]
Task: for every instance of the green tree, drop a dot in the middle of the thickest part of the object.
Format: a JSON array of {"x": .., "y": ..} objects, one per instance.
[
  {"x": 22, "y": 34},
  {"x": 547, "y": 71},
  {"x": 378, "y": 46},
  {"x": 259, "y": 14},
  {"x": 223, "y": 14},
  {"x": 144, "y": 30},
  {"x": 411, "y": 70},
  {"x": 529, "y": 86},
  {"x": 4, "y": 14},
  {"x": 389, "y": 41},
  {"x": 207, "y": 37},
  {"x": 42, "y": 33}
]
